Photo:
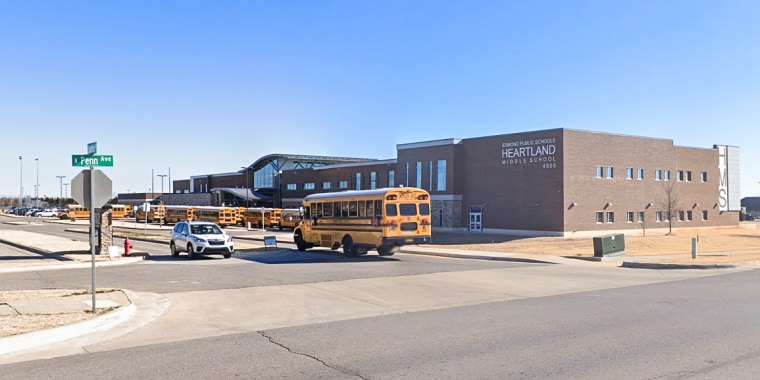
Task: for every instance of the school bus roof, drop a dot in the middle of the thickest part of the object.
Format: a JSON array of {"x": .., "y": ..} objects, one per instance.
[{"x": 359, "y": 193}]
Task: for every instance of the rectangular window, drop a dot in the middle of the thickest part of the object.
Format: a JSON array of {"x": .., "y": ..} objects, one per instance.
[
  {"x": 704, "y": 176},
  {"x": 680, "y": 216},
  {"x": 441, "y": 176},
  {"x": 343, "y": 184},
  {"x": 418, "y": 174},
  {"x": 308, "y": 186},
  {"x": 658, "y": 216},
  {"x": 373, "y": 180},
  {"x": 689, "y": 216},
  {"x": 629, "y": 216},
  {"x": 640, "y": 218},
  {"x": 667, "y": 216},
  {"x": 291, "y": 186},
  {"x": 629, "y": 173},
  {"x": 600, "y": 217},
  {"x": 430, "y": 174},
  {"x": 600, "y": 172},
  {"x": 658, "y": 175},
  {"x": 406, "y": 180},
  {"x": 325, "y": 185},
  {"x": 704, "y": 215},
  {"x": 640, "y": 174},
  {"x": 679, "y": 175},
  {"x": 391, "y": 178},
  {"x": 667, "y": 175},
  {"x": 358, "y": 181},
  {"x": 610, "y": 217},
  {"x": 688, "y": 176},
  {"x": 610, "y": 172}
]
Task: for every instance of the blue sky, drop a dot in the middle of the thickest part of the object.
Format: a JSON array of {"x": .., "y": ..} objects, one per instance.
[{"x": 210, "y": 86}]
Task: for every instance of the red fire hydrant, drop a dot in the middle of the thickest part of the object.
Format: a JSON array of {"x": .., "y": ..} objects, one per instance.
[{"x": 127, "y": 246}]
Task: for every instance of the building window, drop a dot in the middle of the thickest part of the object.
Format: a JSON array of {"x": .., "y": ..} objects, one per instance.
[
  {"x": 689, "y": 216},
  {"x": 291, "y": 186},
  {"x": 441, "y": 176},
  {"x": 406, "y": 173},
  {"x": 610, "y": 217},
  {"x": 343, "y": 184},
  {"x": 629, "y": 216},
  {"x": 704, "y": 215},
  {"x": 418, "y": 174},
  {"x": 688, "y": 176},
  {"x": 704, "y": 176},
  {"x": 680, "y": 216},
  {"x": 667, "y": 216},
  {"x": 640, "y": 217},
  {"x": 610, "y": 172},
  {"x": 358, "y": 181},
  {"x": 373, "y": 180},
  {"x": 667, "y": 175},
  {"x": 629, "y": 173},
  {"x": 600, "y": 172},
  {"x": 391, "y": 178},
  {"x": 679, "y": 175},
  {"x": 640, "y": 174},
  {"x": 658, "y": 216},
  {"x": 308, "y": 186},
  {"x": 658, "y": 175},
  {"x": 325, "y": 185},
  {"x": 600, "y": 217},
  {"x": 430, "y": 174}
]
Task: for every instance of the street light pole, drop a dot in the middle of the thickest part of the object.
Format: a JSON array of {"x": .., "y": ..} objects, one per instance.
[
  {"x": 37, "y": 184},
  {"x": 66, "y": 193},
  {"x": 162, "y": 186},
  {"x": 21, "y": 182},
  {"x": 60, "y": 179}
]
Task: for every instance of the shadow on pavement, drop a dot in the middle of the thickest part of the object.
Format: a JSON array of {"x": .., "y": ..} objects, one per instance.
[{"x": 309, "y": 257}]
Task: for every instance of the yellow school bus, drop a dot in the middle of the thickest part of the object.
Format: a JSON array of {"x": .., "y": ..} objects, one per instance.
[
  {"x": 155, "y": 214},
  {"x": 121, "y": 211},
  {"x": 174, "y": 214},
  {"x": 74, "y": 212},
  {"x": 359, "y": 220},
  {"x": 261, "y": 217},
  {"x": 290, "y": 217},
  {"x": 223, "y": 216}
]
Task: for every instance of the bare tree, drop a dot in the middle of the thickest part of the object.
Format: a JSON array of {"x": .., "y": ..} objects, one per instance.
[{"x": 670, "y": 203}]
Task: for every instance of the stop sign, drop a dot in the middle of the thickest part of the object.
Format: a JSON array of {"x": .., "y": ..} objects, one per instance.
[{"x": 80, "y": 188}]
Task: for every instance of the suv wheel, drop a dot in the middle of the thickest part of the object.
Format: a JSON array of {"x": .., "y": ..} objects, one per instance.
[
  {"x": 173, "y": 249},
  {"x": 190, "y": 252}
]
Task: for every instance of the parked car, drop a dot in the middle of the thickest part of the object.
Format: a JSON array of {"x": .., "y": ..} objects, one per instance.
[
  {"x": 200, "y": 238},
  {"x": 46, "y": 213}
]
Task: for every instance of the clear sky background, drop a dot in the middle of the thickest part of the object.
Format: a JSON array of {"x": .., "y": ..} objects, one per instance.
[{"x": 209, "y": 86}]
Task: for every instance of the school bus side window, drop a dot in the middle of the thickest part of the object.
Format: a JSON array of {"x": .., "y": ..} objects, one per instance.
[
  {"x": 390, "y": 210},
  {"x": 352, "y": 213},
  {"x": 327, "y": 210}
]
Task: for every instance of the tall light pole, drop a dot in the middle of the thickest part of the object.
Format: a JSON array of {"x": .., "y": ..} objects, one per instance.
[
  {"x": 162, "y": 186},
  {"x": 21, "y": 182},
  {"x": 246, "y": 185},
  {"x": 60, "y": 179},
  {"x": 37, "y": 184},
  {"x": 66, "y": 193}
]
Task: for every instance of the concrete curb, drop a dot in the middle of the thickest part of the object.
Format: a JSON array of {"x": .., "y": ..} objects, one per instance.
[
  {"x": 22, "y": 342},
  {"x": 638, "y": 265},
  {"x": 477, "y": 257},
  {"x": 74, "y": 265}
]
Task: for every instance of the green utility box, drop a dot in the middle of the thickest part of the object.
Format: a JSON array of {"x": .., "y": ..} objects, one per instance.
[{"x": 609, "y": 245}]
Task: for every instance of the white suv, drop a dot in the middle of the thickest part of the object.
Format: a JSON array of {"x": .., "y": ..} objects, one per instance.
[{"x": 200, "y": 238}]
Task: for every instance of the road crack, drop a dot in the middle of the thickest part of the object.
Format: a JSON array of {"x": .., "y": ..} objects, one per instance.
[{"x": 271, "y": 340}]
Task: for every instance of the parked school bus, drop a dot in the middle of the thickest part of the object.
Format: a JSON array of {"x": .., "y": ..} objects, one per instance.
[
  {"x": 154, "y": 214},
  {"x": 223, "y": 216},
  {"x": 290, "y": 217},
  {"x": 360, "y": 220},
  {"x": 262, "y": 217},
  {"x": 174, "y": 214},
  {"x": 121, "y": 211},
  {"x": 74, "y": 212}
]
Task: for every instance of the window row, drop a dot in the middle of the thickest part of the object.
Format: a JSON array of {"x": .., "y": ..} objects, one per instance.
[
  {"x": 344, "y": 185},
  {"x": 659, "y": 174},
  {"x": 427, "y": 183},
  {"x": 638, "y": 216}
]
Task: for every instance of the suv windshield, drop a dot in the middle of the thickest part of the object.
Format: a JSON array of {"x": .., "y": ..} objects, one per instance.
[{"x": 205, "y": 229}]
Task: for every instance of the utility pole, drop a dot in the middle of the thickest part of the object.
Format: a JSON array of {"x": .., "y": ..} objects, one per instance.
[
  {"x": 60, "y": 179},
  {"x": 21, "y": 182},
  {"x": 162, "y": 186},
  {"x": 37, "y": 184}
]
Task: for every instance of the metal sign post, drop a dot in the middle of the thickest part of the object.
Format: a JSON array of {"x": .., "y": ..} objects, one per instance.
[{"x": 92, "y": 233}]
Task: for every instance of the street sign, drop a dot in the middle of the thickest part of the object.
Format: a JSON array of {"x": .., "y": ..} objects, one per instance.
[
  {"x": 92, "y": 148},
  {"x": 85, "y": 160},
  {"x": 80, "y": 188}
]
